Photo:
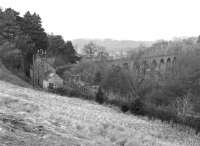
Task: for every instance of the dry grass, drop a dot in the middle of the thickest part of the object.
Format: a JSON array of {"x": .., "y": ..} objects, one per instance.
[{"x": 72, "y": 121}]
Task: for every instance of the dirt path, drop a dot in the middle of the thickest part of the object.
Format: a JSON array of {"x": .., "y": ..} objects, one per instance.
[{"x": 33, "y": 117}]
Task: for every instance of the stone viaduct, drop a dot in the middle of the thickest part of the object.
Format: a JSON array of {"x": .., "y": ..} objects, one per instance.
[
  {"x": 152, "y": 62},
  {"x": 159, "y": 62}
]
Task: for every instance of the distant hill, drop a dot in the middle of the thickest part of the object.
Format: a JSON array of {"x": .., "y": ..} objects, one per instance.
[{"x": 112, "y": 45}]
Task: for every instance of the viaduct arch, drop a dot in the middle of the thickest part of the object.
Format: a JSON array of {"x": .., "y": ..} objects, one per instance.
[{"x": 161, "y": 62}]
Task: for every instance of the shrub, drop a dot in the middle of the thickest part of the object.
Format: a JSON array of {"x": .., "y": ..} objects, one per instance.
[
  {"x": 124, "y": 108},
  {"x": 61, "y": 91},
  {"x": 100, "y": 96},
  {"x": 193, "y": 122},
  {"x": 197, "y": 106},
  {"x": 74, "y": 93},
  {"x": 113, "y": 102},
  {"x": 156, "y": 97},
  {"x": 97, "y": 78},
  {"x": 137, "y": 107}
]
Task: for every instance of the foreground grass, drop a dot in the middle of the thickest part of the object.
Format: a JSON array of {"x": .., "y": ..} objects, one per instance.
[{"x": 29, "y": 117}]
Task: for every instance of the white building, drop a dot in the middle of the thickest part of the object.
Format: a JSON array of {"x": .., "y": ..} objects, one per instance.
[{"x": 52, "y": 81}]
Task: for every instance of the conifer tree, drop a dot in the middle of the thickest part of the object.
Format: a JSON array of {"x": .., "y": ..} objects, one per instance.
[
  {"x": 9, "y": 28},
  {"x": 31, "y": 25}
]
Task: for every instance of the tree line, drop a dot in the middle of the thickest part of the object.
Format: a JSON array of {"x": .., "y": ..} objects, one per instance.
[{"x": 27, "y": 34}]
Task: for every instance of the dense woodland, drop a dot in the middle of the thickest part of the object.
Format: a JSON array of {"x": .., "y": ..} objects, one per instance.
[
  {"x": 171, "y": 96},
  {"x": 27, "y": 36},
  {"x": 174, "y": 97}
]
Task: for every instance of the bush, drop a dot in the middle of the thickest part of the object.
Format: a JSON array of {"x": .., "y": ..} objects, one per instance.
[
  {"x": 117, "y": 80},
  {"x": 137, "y": 107},
  {"x": 197, "y": 106},
  {"x": 113, "y": 102},
  {"x": 61, "y": 91},
  {"x": 157, "y": 97},
  {"x": 124, "y": 108},
  {"x": 193, "y": 122},
  {"x": 74, "y": 93},
  {"x": 100, "y": 96}
]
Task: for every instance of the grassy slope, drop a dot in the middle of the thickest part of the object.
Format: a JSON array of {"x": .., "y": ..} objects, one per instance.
[
  {"x": 38, "y": 118},
  {"x": 6, "y": 75}
]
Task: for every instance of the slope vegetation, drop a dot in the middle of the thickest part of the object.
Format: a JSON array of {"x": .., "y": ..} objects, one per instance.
[
  {"x": 6, "y": 75},
  {"x": 29, "y": 117}
]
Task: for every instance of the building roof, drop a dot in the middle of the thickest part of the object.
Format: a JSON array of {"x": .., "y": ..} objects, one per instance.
[{"x": 49, "y": 74}]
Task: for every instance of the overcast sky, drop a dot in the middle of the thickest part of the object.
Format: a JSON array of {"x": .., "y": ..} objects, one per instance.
[{"x": 115, "y": 19}]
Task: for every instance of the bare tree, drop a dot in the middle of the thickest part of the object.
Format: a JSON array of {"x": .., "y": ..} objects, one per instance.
[{"x": 90, "y": 49}]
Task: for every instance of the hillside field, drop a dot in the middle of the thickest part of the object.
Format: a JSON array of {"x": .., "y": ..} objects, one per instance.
[{"x": 29, "y": 117}]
